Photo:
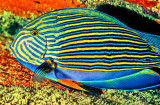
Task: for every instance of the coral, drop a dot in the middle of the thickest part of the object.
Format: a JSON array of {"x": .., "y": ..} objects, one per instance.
[
  {"x": 48, "y": 95},
  {"x": 10, "y": 24},
  {"x": 27, "y": 7},
  {"x": 17, "y": 86},
  {"x": 145, "y": 3}
]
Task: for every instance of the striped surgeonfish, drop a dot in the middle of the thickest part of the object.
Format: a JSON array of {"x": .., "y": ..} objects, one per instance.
[{"x": 86, "y": 50}]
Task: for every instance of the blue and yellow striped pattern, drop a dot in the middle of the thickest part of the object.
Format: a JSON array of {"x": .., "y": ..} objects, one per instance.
[
  {"x": 84, "y": 43},
  {"x": 90, "y": 47}
]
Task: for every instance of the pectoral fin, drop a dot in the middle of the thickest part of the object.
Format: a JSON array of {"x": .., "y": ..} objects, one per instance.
[
  {"x": 42, "y": 70},
  {"x": 79, "y": 86}
]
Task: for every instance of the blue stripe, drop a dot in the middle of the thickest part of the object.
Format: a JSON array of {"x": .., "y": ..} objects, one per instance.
[
  {"x": 64, "y": 18},
  {"x": 50, "y": 41},
  {"x": 74, "y": 17},
  {"x": 24, "y": 53},
  {"x": 18, "y": 41},
  {"x": 15, "y": 40},
  {"x": 59, "y": 19},
  {"x": 95, "y": 37},
  {"x": 104, "y": 52},
  {"x": 50, "y": 36},
  {"x": 41, "y": 38},
  {"x": 14, "y": 53},
  {"x": 31, "y": 53},
  {"x": 50, "y": 18},
  {"x": 99, "y": 30},
  {"x": 99, "y": 45},
  {"x": 36, "y": 40},
  {"x": 94, "y": 25},
  {"x": 106, "y": 67},
  {"x": 85, "y": 31},
  {"x": 37, "y": 51},
  {"x": 68, "y": 22},
  {"x": 36, "y": 45},
  {"x": 91, "y": 60},
  {"x": 81, "y": 26},
  {"x": 48, "y": 32},
  {"x": 48, "y": 14}
]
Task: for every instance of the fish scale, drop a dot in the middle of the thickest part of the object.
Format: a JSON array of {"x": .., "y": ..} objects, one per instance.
[
  {"x": 84, "y": 42},
  {"x": 88, "y": 31}
]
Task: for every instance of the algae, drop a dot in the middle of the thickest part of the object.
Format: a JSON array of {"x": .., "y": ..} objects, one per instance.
[
  {"x": 10, "y": 24},
  {"x": 48, "y": 95}
]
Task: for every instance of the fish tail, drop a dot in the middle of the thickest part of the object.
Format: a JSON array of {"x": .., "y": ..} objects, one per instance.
[{"x": 153, "y": 40}]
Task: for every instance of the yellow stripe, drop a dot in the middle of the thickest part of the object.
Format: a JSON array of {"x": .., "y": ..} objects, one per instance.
[
  {"x": 68, "y": 25},
  {"x": 78, "y": 69},
  {"x": 88, "y": 28},
  {"x": 16, "y": 40},
  {"x": 90, "y": 34},
  {"x": 38, "y": 19},
  {"x": 102, "y": 56},
  {"x": 106, "y": 64},
  {"x": 30, "y": 56},
  {"x": 24, "y": 54},
  {"x": 58, "y": 17},
  {"x": 19, "y": 50},
  {"x": 40, "y": 40},
  {"x": 39, "y": 49},
  {"x": 91, "y": 22},
  {"x": 29, "y": 38},
  {"x": 62, "y": 21},
  {"x": 98, "y": 48},
  {"x": 79, "y": 19},
  {"x": 25, "y": 50},
  {"x": 97, "y": 40},
  {"x": 64, "y": 16}
]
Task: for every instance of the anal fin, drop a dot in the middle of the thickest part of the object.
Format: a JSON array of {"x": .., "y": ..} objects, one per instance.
[{"x": 79, "y": 86}]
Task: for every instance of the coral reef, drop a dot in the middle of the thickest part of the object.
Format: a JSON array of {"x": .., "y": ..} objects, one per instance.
[
  {"x": 48, "y": 95},
  {"x": 27, "y": 7},
  {"x": 10, "y": 24},
  {"x": 146, "y": 3},
  {"x": 17, "y": 86}
]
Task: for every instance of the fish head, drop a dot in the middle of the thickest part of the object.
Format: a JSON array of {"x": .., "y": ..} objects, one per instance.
[{"x": 29, "y": 45}]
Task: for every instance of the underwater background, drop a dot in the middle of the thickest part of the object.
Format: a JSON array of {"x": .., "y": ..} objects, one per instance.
[{"x": 17, "y": 86}]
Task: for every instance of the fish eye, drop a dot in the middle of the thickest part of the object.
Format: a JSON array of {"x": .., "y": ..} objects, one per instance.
[{"x": 34, "y": 32}]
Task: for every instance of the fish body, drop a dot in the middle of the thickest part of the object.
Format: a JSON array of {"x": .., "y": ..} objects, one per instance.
[{"x": 89, "y": 47}]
